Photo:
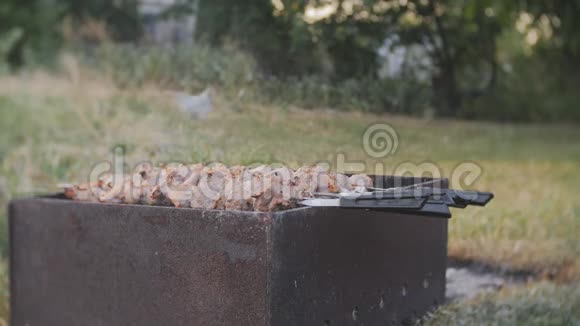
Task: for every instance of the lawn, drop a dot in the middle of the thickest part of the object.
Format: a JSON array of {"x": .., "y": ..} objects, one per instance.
[{"x": 54, "y": 130}]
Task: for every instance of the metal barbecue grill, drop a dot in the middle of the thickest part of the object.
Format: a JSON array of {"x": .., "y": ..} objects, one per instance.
[{"x": 381, "y": 261}]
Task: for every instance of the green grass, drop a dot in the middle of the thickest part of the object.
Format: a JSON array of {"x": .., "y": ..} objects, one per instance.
[
  {"x": 538, "y": 304},
  {"x": 53, "y": 130}
]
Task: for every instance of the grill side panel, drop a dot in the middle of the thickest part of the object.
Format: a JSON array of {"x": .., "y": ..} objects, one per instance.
[
  {"x": 354, "y": 267},
  {"x": 93, "y": 264}
]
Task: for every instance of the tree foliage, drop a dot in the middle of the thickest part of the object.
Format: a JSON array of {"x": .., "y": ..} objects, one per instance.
[
  {"x": 253, "y": 25},
  {"x": 35, "y": 22},
  {"x": 462, "y": 40},
  {"x": 120, "y": 16},
  {"x": 40, "y": 22}
]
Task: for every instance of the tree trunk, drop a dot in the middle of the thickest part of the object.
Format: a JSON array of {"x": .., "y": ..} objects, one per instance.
[{"x": 447, "y": 97}]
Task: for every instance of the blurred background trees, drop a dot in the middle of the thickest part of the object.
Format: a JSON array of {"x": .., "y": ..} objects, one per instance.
[{"x": 486, "y": 59}]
